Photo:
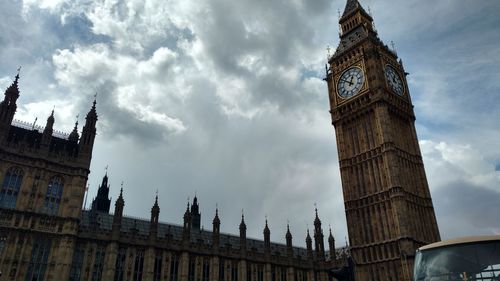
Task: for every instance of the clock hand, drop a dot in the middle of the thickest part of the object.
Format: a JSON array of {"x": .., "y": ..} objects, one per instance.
[{"x": 350, "y": 83}]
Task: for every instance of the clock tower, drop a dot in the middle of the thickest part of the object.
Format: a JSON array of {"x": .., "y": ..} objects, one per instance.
[{"x": 388, "y": 205}]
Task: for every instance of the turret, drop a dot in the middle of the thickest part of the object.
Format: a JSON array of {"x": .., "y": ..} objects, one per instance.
[
  {"x": 267, "y": 239},
  {"x": 243, "y": 233},
  {"x": 186, "y": 230},
  {"x": 73, "y": 136},
  {"x": 118, "y": 215},
  {"x": 195, "y": 214},
  {"x": 8, "y": 106},
  {"x": 289, "y": 246},
  {"x": 216, "y": 230},
  {"x": 309, "y": 245},
  {"x": 49, "y": 129},
  {"x": 86, "y": 143},
  {"x": 155, "y": 215},
  {"x": 318, "y": 237},
  {"x": 102, "y": 202},
  {"x": 331, "y": 245}
]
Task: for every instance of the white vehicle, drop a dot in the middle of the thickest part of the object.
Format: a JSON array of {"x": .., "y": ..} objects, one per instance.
[{"x": 462, "y": 259}]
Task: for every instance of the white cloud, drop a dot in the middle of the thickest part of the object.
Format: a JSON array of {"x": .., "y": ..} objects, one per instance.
[{"x": 459, "y": 163}]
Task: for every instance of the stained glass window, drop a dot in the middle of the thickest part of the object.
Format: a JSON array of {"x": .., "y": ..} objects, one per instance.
[
  {"x": 10, "y": 187},
  {"x": 53, "y": 196}
]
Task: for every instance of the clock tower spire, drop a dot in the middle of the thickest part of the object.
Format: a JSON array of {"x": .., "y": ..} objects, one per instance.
[{"x": 387, "y": 200}]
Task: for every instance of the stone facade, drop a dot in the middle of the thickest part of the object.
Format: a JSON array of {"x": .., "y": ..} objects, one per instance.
[
  {"x": 388, "y": 205},
  {"x": 45, "y": 234}
]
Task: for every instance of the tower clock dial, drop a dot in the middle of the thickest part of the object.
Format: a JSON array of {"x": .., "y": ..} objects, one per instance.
[
  {"x": 350, "y": 82},
  {"x": 394, "y": 80}
]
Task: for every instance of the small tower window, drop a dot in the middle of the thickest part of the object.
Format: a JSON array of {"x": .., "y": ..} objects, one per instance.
[
  {"x": 10, "y": 187},
  {"x": 53, "y": 196}
]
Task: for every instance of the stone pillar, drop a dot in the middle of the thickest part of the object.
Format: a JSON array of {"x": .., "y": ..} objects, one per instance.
[
  {"x": 214, "y": 268},
  {"x": 183, "y": 267},
  {"x": 267, "y": 273},
  {"x": 63, "y": 256},
  {"x": 242, "y": 271},
  {"x": 149, "y": 263},
  {"x": 290, "y": 274},
  {"x": 108, "y": 271}
]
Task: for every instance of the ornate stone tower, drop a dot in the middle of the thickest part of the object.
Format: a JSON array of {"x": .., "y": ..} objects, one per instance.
[
  {"x": 388, "y": 205},
  {"x": 43, "y": 176}
]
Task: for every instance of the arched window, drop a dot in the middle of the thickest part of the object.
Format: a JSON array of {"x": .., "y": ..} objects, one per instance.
[
  {"x": 53, "y": 196},
  {"x": 10, "y": 187}
]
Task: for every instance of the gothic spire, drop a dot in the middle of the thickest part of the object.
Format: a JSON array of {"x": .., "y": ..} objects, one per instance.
[
  {"x": 120, "y": 200},
  {"x": 288, "y": 236},
  {"x": 74, "y": 134},
  {"x": 317, "y": 221},
  {"x": 331, "y": 245},
  {"x": 12, "y": 92},
  {"x": 155, "y": 209},
  {"x": 89, "y": 129},
  {"x": 216, "y": 221},
  {"x": 267, "y": 238},
  {"x": 101, "y": 202},
  {"x": 49, "y": 129},
  {"x": 216, "y": 229},
  {"x": 117, "y": 216},
  {"x": 309, "y": 244},
  {"x": 195, "y": 214},
  {"x": 350, "y": 7},
  {"x": 243, "y": 226}
]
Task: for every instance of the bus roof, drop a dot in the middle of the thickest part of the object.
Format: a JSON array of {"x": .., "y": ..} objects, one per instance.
[{"x": 461, "y": 240}]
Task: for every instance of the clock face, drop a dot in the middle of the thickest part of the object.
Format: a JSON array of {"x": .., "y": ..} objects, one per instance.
[
  {"x": 350, "y": 82},
  {"x": 394, "y": 80}
]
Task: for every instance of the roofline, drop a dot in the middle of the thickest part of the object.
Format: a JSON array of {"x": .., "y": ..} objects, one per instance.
[{"x": 460, "y": 240}]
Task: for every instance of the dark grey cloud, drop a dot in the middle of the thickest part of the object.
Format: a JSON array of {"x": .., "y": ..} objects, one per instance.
[{"x": 465, "y": 209}]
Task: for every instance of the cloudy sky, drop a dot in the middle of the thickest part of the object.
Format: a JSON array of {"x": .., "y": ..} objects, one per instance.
[{"x": 225, "y": 99}]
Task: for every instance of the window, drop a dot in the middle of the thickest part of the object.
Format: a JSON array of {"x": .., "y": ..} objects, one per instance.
[
  {"x": 53, "y": 196},
  {"x": 120, "y": 264},
  {"x": 249, "y": 272},
  {"x": 191, "y": 269},
  {"x": 76, "y": 265},
  {"x": 174, "y": 267},
  {"x": 98, "y": 264},
  {"x": 10, "y": 188},
  {"x": 283, "y": 274},
  {"x": 260, "y": 272},
  {"x": 221, "y": 270},
  {"x": 234, "y": 271},
  {"x": 38, "y": 262},
  {"x": 139, "y": 264},
  {"x": 206, "y": 270},
  {"x": 157, "y": 268}
]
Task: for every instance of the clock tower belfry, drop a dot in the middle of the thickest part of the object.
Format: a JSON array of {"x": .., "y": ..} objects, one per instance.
[{"x": 387, "y": 201}]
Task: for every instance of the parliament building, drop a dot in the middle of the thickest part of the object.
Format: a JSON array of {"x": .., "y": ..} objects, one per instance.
[{"x": 46, "y": 235}]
